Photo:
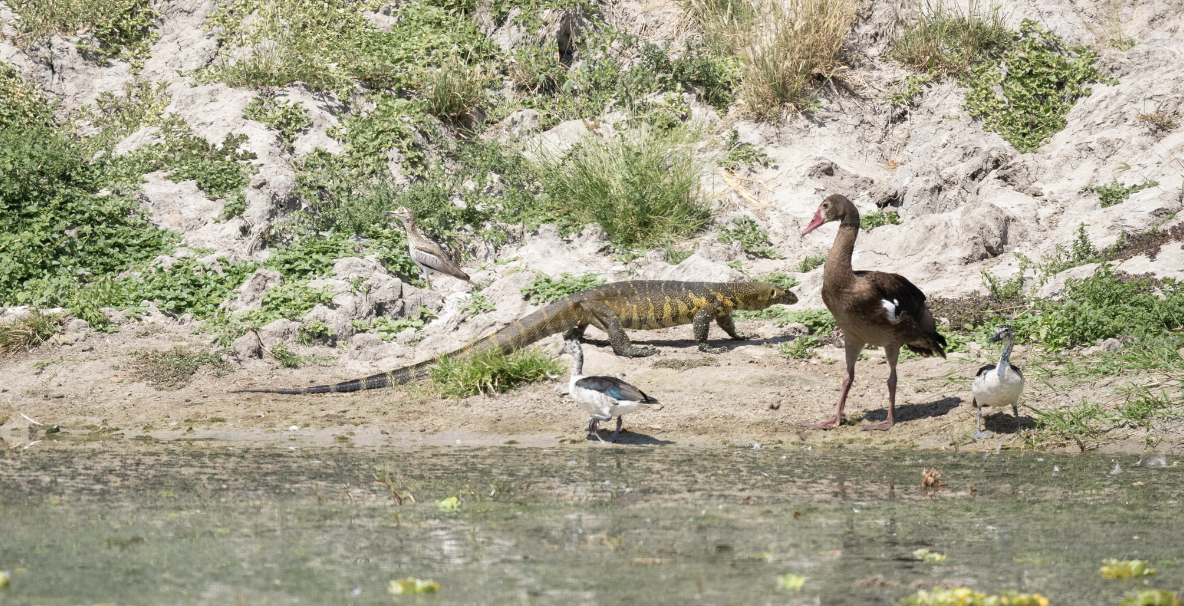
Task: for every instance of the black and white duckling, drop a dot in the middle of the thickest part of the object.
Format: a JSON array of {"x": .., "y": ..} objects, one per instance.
[
  {"x": 998, "y": 384},
  {"x": 604, "y": 398}
]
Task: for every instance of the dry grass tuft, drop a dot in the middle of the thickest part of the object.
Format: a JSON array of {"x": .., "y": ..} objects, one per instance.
[
  {"x": 1158, "y": 122},
  {"x": 29, "y": 331},
  {"x": 785, "y": 46},
  {"x": 948, "y": 41}
]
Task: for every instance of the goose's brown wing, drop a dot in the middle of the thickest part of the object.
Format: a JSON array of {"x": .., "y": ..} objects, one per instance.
[
  {"x": 914, "y": 322},
  {"x": 435, "y": 259}
]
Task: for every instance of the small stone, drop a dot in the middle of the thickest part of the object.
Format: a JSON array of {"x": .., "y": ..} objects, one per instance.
[
  {"x": 77, "y": 325},
  {"x": 249, "y": 346},
  {"x": 1110, "y": 345}
]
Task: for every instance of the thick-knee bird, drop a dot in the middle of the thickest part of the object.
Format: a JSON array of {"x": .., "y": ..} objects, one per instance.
[
  {"x": 605, "y": 398},
  {"x": 427, "y": 255},
  {"x": 998, "y": 384},
  {"x": 871, "y": 308}
]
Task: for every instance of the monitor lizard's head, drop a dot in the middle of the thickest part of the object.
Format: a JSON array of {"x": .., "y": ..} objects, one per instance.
[{"x": 760, "y": 295}]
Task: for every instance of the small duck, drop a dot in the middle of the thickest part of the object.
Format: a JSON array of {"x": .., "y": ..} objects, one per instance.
[
  {"x": 604, "y": 398},
  {"x": 998, "y": 384},
  {"x": 427, "y": 255}
]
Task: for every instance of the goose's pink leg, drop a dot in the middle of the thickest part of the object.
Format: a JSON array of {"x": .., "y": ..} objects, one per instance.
[
  {"x": 852, "y": 355},
  {"x": 892, "y": 353}
]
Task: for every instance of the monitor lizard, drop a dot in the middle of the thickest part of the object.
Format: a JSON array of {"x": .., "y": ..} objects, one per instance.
[{"x": 614, "y": 307}]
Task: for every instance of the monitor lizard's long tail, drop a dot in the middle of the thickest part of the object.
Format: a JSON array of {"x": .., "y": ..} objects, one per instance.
[{"x": 378, "y": 381}]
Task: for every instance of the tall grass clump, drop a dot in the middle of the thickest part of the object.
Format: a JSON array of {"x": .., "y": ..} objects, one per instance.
[
  {"x": 722, "y": 22},
  {"x": 454, "y": 91},
  {"x": 798, "y": 43},
  {"x": 642, "y": 187},
  {"x": 28, "y": 331},
  {"x": 948, "y": 41},
  {"x": 492, "y": 372}
]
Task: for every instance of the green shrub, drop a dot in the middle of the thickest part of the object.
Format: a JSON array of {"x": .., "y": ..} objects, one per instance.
[
  {"x": 493, "y": 372},
  {"x": 285, "y": 356},
  {"x": 641, "y": 189},
  {"x": 545, "y": 289},
  {"x": 800, "y": 348},
  {"x": 310, "y": 257},
  {"x": 329, "y": 44},
  {"x": 1040, "y": 80},
  {"x": 56, "y": 232},
  {"x": 142, "y": 104},
  {"x": 174, "y": 368},
  {"x": 879, "y": 218},
  {"x": 780, "y": 279},
  {"x": 753, "y": 240},
  {"x": 810, "y": 262},
  {"x": 1117, "y": 193},
  {"x": 1102, "y": 306},
  {"x": 21, "y": 104},
  {"x": 945, "y": 40},
  {"x": 123, "y": 28},
  {"x": 287, "y": 117},
  {"x": 739, "y": 155}
]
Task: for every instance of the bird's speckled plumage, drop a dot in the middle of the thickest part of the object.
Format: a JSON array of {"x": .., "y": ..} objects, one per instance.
[{"x": 426, "y": 254}]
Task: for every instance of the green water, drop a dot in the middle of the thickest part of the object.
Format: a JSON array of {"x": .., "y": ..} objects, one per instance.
[{"x": 210, "y": 523}]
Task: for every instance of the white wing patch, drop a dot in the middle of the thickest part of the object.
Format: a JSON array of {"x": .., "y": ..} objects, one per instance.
[{"x": 890, "y": 307}]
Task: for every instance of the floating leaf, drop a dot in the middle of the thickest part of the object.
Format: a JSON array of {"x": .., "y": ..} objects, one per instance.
[
  {"x": 790, "y": 582},
  {"x": 449, "y": 504},
  {"x": 929, "y": 556},
  {"x": 412, "y": 585},
  {"x": 1152, "y": 597},
  {"x": 964, "y": 596},
  {"x": 3, "y": 580},
  {"x": 1125, "y": 569}
]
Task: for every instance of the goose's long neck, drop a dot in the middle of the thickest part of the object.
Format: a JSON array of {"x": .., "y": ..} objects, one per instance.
[
  {"x": 1005, "y": 358},
  {"x": 837, "y": 270}
]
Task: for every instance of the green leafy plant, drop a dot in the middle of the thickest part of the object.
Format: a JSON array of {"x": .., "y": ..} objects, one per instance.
[
  {"x": 1040, "y": 80},
  {"x": 739, "y": 155},
  {"x": 1117, "y": 193},
  {"x": 753, "y": 240},
  {"x": 799, "y": 348},
  {"x": 287, "y": 117},
  {"x": 285, "y": 356},
  {"x": 455, "y": 91},
  {"x": 57, "y": 231},
  {"x": 879, "y": 218},
  {"x": 117, "y": 116},
  {"x": 810, "y": 262},
  {"x": 780, "y": 279},
  {"x": 123, "y": 29},
  {"x": 477, "y": 304},
  {"x": 964, "y": 596},
  {"x": 545, "y": 289},
  {"x": 312, "y": 332},
  {"x": 492, "y": 372},
  {"x": 174, "y": 368},
  {"x": 21, "y": 104},
  {"x": 912, "y": 88}
]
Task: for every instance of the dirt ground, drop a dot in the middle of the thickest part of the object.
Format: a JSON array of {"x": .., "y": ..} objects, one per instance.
[{"x": 747, "y": 395}]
